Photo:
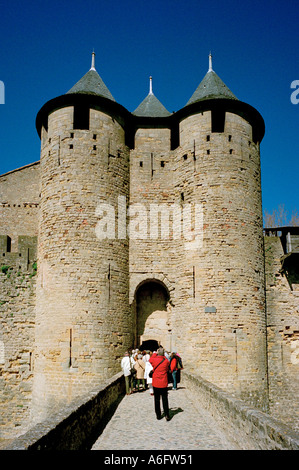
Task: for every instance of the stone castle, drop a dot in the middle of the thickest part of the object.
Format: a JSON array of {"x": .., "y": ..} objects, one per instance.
[{"x": 144, "y": 228}]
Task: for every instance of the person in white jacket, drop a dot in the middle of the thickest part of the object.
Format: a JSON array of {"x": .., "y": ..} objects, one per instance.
[
  {"x": 148, "y": 368},
  {"x": 126, "y": 367}
]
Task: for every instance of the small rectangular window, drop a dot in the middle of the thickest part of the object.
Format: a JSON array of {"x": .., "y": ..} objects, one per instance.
[
  {"x": 8, "y": 244},
  {"x": 81, "y": 117},
  {"x": 218, "y": 120},
  {"x": 162, "y": 164},
  {"x": 141, "y": 164}
]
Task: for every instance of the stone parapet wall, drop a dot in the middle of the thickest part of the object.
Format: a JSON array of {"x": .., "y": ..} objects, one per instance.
[
  {"x": 246, "y": 427},
  {"x": 77, "y": 425}
]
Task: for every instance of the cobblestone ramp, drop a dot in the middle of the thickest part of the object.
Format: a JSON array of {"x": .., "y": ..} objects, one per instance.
[{"x": 134, "y": 425}]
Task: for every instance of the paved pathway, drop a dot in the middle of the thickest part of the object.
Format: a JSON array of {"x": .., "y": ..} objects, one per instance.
[{"x": 134, "y": 425}]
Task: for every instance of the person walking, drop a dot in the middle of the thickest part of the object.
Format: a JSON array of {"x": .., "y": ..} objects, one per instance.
[
  {"x": 133, "y": 370},
  {"x": 126, "y": 367},
  {"x": 175, "y": 366},
  {"x": 140, "y": 368},
  {"x": 160, "y": 382},
  {"x": 148, "y": 368}
]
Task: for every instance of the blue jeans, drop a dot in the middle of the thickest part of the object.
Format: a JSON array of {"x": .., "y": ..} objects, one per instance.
[{"x": 174, "y": 379}]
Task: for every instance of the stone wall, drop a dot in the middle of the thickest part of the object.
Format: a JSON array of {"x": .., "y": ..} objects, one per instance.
[
  {"x": 77, "y": 425},
  {"x": 82, "y": 314},
  {"x": 17, "y": 330},
  {"x": 154, "y": 253},
  {"x": 222, "y": 323},
  {"x": 246, "y": 427},
  {"x": 283, "y": 336},
  {"x": 215, "y": 273},
  {"x": 19, "y": 200}
]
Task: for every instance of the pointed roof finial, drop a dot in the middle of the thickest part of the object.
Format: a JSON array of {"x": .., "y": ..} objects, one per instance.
[
  {"x": 151, "y": 86},
  {"x": 92, "y": 61},
  {"x": 210, "y": 63}
]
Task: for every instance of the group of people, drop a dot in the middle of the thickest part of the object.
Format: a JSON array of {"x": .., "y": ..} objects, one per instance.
[{"x": 153, "y": 370}]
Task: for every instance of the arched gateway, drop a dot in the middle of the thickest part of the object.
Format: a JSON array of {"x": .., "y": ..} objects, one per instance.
[{"x": 153, "y": 322}]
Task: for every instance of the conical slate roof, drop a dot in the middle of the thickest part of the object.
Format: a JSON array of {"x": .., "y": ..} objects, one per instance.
[
  {"x": 151, "y": 106},
  {"x": 91, "y": 84},
  {"x": 211, "y": 87}
]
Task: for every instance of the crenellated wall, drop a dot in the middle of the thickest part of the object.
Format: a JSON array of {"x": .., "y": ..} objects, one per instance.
[{"x": 19, "y": 200}]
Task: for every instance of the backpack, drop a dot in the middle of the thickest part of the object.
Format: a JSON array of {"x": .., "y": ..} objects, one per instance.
[{"x": 179, "y": 363}]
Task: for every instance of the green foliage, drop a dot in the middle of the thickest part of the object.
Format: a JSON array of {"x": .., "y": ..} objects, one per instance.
[
  {"x": 34, "y": 267},
  {"x": 4, "y": 269}
]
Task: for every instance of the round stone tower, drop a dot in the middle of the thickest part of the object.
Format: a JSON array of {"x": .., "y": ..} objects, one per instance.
[
  {"x": 223, "y": 331},
  {"x": 83, "y": 322}
]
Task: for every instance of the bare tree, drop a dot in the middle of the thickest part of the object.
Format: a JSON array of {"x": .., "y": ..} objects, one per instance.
[
  {"x": 279, "y": 218},
  {"x": 294, "y": 221}
]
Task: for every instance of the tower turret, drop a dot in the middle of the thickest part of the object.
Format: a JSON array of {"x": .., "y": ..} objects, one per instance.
[
  {"x": 82, "y": 317},
  {"x": 151, "y": 106},
  {"x": 91, "y": 83},
  {"x": 211, "y": 87},
  {"x": 218, "y": 161}
]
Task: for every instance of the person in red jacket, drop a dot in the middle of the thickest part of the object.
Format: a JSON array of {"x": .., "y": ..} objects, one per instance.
[
  {"x": 160, "y": 382},
  {"x": 175, "y": 366}
]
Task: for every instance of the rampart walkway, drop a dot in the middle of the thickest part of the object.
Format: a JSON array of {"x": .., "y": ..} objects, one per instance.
[{"x": 134, "y": 425}]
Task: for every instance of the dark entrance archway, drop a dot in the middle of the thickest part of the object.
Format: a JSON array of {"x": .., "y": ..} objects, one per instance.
[
  {"x": 149, "y": 345},
  {"x": 152, "y": 315}
]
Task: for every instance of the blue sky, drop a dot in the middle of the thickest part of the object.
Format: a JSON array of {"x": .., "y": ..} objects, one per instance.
[{"x": 45, "y": 48}]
